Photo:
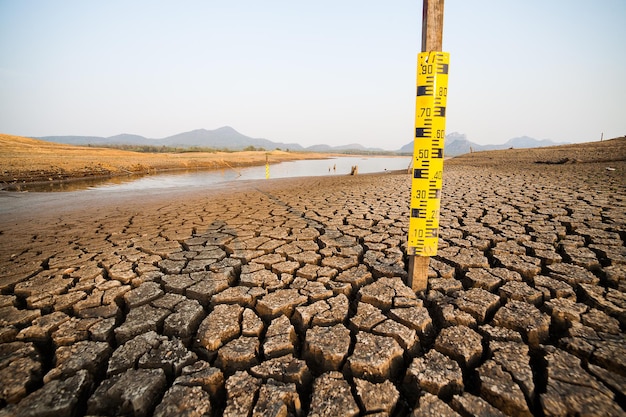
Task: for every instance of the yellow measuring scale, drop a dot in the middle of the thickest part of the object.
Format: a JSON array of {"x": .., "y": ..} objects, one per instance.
[{"x": 430, "y": 133}]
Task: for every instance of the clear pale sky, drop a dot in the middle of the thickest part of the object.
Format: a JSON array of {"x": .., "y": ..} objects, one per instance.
[{"x": 324, "y": 71}]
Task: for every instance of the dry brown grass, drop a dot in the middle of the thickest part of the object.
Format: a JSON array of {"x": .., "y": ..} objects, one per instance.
[{"x": 30, "y": 160}]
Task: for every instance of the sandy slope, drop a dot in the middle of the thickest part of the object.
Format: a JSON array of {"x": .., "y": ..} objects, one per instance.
[{"x": 29, "y": 160}]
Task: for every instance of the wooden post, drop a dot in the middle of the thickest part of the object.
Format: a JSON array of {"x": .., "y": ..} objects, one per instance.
[
  {"x": 432, "y": 35},
  {"x": 432, "y": 25}
]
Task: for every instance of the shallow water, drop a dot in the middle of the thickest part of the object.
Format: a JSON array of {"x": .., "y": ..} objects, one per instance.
[{"x": 188, "y": 179}]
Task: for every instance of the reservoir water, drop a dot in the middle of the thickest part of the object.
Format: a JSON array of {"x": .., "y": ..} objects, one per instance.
[{"x": 207, "y": 178}]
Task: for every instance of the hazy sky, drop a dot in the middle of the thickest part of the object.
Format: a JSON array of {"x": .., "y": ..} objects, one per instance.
[{"x": 311, "y": 72}]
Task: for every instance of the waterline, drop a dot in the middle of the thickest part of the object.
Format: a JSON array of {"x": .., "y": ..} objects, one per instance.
[{"x": 208, "y": 178}]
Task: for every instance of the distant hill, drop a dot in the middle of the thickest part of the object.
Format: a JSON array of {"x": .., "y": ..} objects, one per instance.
[
  {"x": 457, "y": 144},
  {"x": 223, "y": 138},
  {"x": 228, "y": 138}
]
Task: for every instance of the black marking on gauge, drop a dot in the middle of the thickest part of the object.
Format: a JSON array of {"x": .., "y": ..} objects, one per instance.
[
  {"x": 423, "y": 132},
  {"x": 418, "y": 213},
  {"x": 424, "y": 90},
  {"x": 420, "y": 174}
]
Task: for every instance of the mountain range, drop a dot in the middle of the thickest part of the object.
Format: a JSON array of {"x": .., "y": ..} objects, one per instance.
[
  {"x": 228, "y": 138},
  {"x": 457, "y": 144}
]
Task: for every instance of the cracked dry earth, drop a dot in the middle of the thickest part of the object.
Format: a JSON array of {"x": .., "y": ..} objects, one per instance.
[{"x": 286, "y": 298}]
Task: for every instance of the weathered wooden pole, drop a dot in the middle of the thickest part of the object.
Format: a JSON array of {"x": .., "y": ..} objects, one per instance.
[
  {"x": 432, "y": 35},
  {"x": 432, "y": 25}
]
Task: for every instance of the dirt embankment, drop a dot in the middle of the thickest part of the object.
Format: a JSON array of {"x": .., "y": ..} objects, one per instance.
[
  {"x": 613, "y": 150},
  {"x": 29, "y": 160}
]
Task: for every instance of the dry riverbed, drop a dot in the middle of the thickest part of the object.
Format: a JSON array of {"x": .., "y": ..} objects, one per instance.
[{"x": 286, "y": 297}]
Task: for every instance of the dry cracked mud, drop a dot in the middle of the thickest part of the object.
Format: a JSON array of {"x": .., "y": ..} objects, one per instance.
[{"x": 286, "y": 298}]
